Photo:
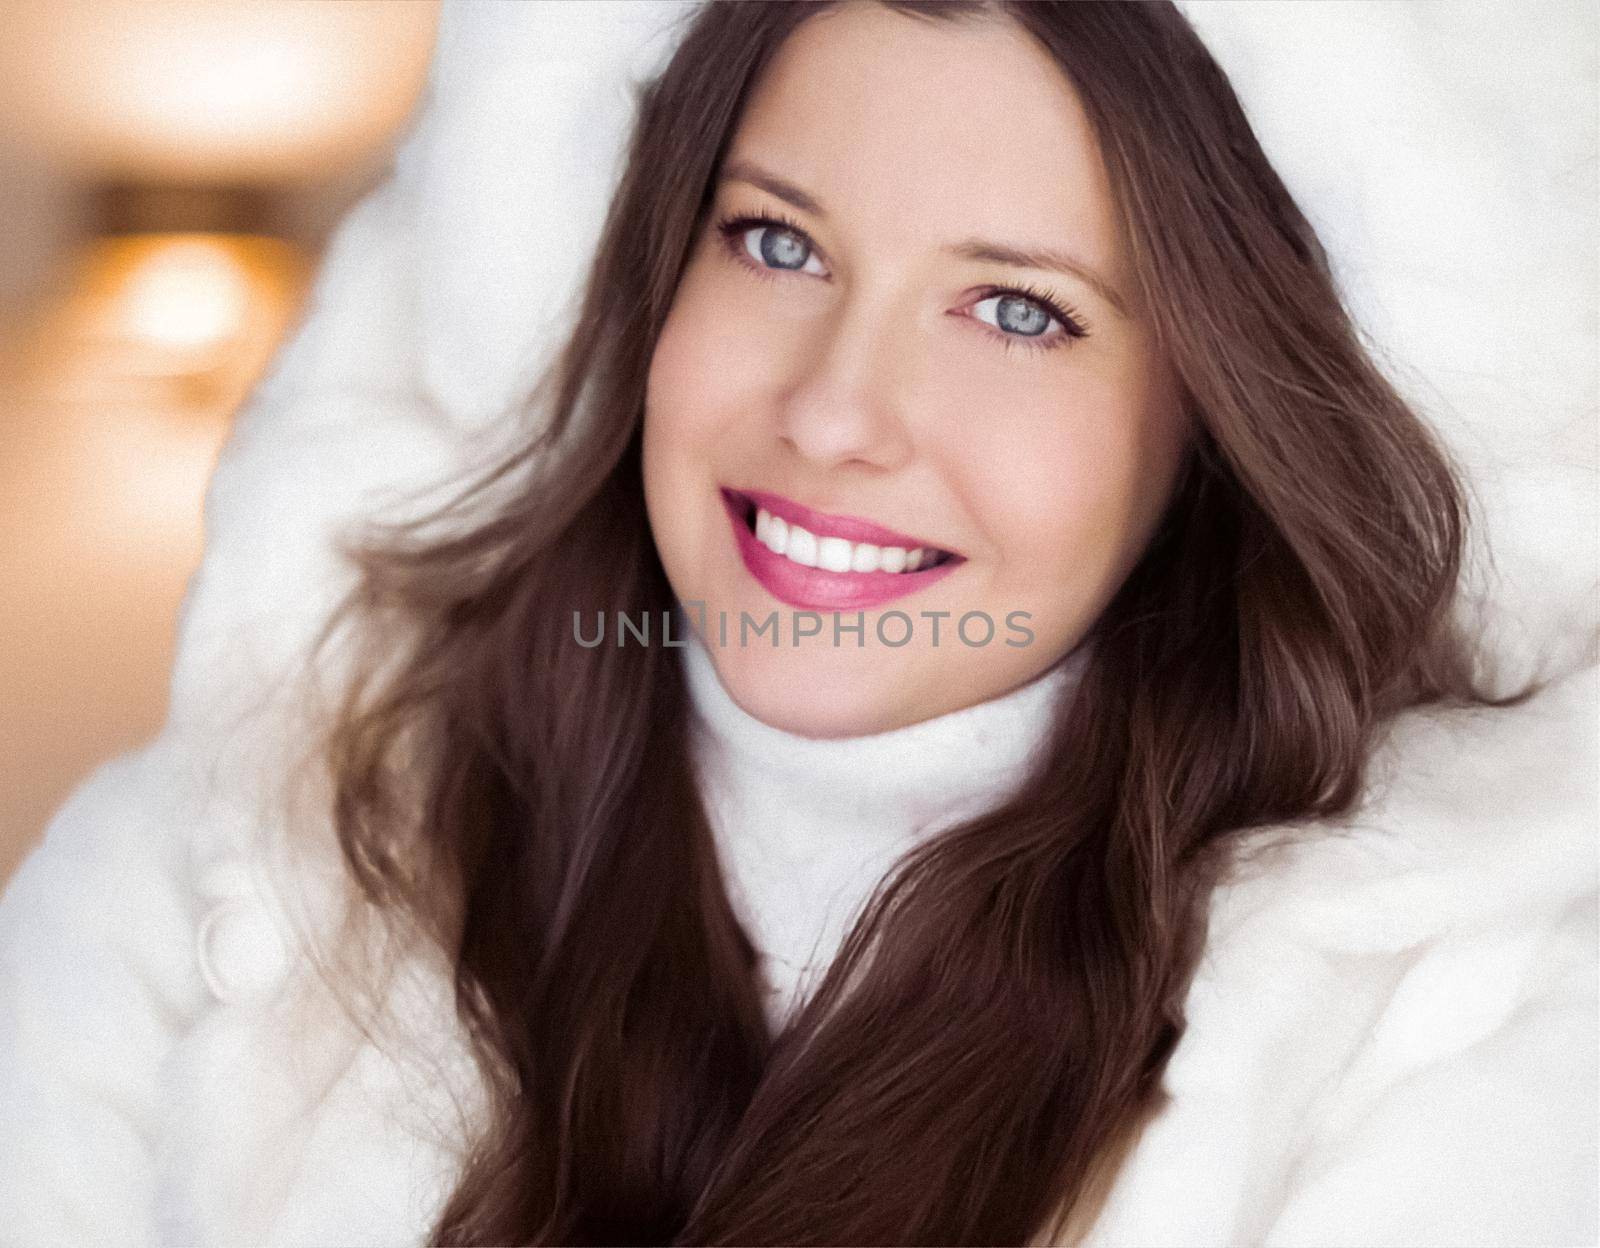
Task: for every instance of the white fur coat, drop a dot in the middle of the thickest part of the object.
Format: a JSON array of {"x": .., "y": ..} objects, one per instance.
[{"x": 1392, "y": 1035}]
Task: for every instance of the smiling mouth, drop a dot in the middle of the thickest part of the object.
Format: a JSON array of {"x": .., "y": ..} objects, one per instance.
[{"x": 835, "y": 554}]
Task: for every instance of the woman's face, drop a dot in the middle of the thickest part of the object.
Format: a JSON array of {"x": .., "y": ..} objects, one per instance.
[{"x": 883, "y": 357}]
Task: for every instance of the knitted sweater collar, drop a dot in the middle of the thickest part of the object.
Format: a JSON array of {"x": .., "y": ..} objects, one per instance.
[{"x": 806, "y": 827}]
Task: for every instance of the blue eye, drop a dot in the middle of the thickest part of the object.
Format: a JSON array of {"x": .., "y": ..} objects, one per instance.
[
  {"x": 1022, "y": 314},
  {"x": 781, "y": 246},
  {"x": 1017, "y": 315}
]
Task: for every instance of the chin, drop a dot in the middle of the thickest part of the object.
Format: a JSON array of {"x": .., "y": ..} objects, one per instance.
[{"x": 796, "y": 698}]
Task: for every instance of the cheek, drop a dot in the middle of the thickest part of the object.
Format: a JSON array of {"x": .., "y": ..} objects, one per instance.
[
  {"x": 672, "y": 392},
  {"x": 695, "y": 401},
  {"x": 702, "y": 375},
  {"x": 670, "y": 448},
  {"x": 1066, "y": 494}
]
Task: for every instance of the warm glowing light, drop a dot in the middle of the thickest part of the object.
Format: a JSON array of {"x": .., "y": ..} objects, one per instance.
[
  {"x": 211, "y": 90},
  {"x": 181, "y": 323},
  {"x": 193, "y": 292}
]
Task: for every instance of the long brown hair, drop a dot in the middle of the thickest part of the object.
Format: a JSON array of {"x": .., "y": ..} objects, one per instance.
[{"x": 998, "y": 1022}]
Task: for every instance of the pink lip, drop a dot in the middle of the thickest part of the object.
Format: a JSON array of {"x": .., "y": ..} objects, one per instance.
[
  {"x": 821, "y": 524},
  {"x": 817, "y": 588}
]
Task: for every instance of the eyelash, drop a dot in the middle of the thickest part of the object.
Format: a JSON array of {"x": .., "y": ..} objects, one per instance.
[{"x": 1073, "y": 328}]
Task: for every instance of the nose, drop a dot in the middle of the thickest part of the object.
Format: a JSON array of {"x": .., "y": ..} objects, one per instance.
[{"x": 847, "y": 403}]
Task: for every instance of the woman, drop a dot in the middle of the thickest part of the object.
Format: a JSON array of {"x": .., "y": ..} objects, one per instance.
[
  {"x": 1173, "y": 452},
  {"x": 822, "y": 296}
]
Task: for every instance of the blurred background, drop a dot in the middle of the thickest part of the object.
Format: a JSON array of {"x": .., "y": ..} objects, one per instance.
[{"x": 169, "y": 171}]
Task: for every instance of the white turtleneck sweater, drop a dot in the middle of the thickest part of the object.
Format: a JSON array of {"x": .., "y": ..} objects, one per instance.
[{"x": 806, "y": 827}]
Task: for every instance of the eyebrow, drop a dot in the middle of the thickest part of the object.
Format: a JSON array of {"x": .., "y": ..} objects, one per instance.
[{"x": 1007, "y": 254}]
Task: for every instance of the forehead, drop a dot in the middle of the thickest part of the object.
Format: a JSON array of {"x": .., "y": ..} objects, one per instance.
[{"x": 926, "y": 131}]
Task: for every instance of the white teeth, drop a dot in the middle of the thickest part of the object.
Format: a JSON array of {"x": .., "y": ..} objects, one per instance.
[
  {"x": 835, "y": 554},
  {"x": 865, "y": 558},
  {"x": 802, "y": 548},
  {"x": 777, "y": 538}
]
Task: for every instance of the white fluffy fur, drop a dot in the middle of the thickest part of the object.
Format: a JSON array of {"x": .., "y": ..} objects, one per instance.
[{"x": 1393, "y": 1035}]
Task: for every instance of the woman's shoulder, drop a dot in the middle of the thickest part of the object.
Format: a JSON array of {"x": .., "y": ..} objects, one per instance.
[
  {"x": 1395, "y": 1013},
  {"x": 98, "y": 985},
  {"x": 300, "y": 1108},
  {"x": 1472, "y": 818},
  {"x": 169, "y": 1040}
]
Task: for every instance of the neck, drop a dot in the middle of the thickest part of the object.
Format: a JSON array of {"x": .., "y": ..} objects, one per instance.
[{"x": 806, "y": 827}]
